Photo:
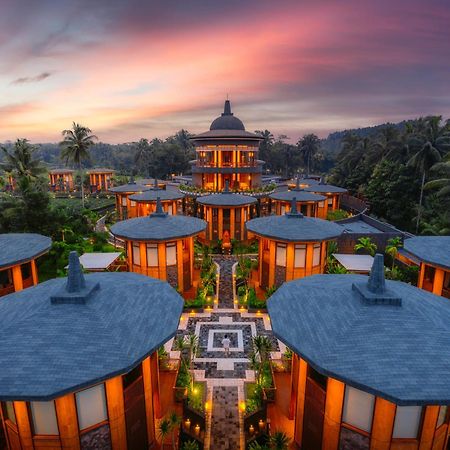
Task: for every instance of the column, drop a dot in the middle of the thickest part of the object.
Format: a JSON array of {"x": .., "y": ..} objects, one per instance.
[
  {"x": 421, "y": 275},
  {"x": 66, "y": 414},
  {"x": 428, "y": 427},
  {"x": 155, "y": 383},
  {"x": 383, "y": 424},
  {"x": 333, "y": 413},
  {"x": 209, "y": 220},
  {"x": 180, "y": 258},
  {"x": 116, "y": 412},
  {"x": 438, "y": 282},
  {"x": 295, "y": 364},
  {"x": 17, "y": 278},
  {"x": 129, "y": 256},
  {"x": 289, "y": 262},
  {"x": 34, "y": 274},
  {"x": 300, "y": 407},
  {"x": 149, "y": 410},
  {"x": 323, "y": 255},
  {"x": 232, "y": 223},
  {"x": 220, "y": 221},
  {"x": 309, "y": 259},
  {"x": 272, "y": 261},
  {"x": 162, "y": 262},
  {"x": 143, "y": 257},
  {"x": 23, "y": 425}
]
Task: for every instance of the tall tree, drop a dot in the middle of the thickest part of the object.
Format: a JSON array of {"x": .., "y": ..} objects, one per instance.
[
  {"x": 20, "y": 162},
  {"x": 75, "y": 148},
  {"x": 308, "y": 145},
  {"x": 142, "y": 154}
]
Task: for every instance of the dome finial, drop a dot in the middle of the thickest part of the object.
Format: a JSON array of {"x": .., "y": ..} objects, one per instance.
[
  {"x": 227, "y": 108},
  {"x": 159, "y": 209},
  {"x": 377, "y": 283},
  {"x": 294, "y": 211},
  {"x": 75, "y": 276}
]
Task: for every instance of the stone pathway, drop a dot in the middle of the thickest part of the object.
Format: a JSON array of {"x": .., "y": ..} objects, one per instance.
[
  {"x": 225, "y": 376},
  {"x": 225, "y": 419},
  {"x": 225, "y": 282}
]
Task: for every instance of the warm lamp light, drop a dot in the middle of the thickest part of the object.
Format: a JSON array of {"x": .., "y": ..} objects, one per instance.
[
  {"x": 187, "y": 423},
  {"x": 242, "y": 406},
  {"x": 197, "y": 429},
  {"x": 251, "y": 429},
  {"x": 261, "y": 425}
]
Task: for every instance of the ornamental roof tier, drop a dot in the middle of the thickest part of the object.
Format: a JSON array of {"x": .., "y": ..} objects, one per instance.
[
  {"x": 294, "y": 227},
  {"x": 158, "y": 226},
  {"x": 226, "y": 199},
  {"x": 323, "y": 188},
  {"x": 387, "y": 338},
  {"x": 300, "y": 194},
  {"x": 151, "y": 195},
  {"x": 69, "y": 333},
  {"x": 433, "y": 250},
  {"x": 130, "y": 187},
  {"x": 18, "y": 248},
  {"x": 100, "y": 170},
  {"x": 57, "y": 171},
  {"x": 227, "y": 126}
]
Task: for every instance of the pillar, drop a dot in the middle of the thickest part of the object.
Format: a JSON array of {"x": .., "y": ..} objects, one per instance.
[
  {"x": 23, "y": 425},
  {"x": 149, "y": 408},
  {"x": 309, "y": 259},
  {"x": 180, "y": 258},
  {"x": 220, "y": 220},
  {"x": 333, "y": 414},
  {"x": 209, "y": 220},
  {"x": 300, "y": 407},
  {"x": 421, "y": 275},
  {"x": 66, "y": 414},
  {"x": 143, "y": 257},
  {"x": 438, "y": 282},
  {"x": 17, "y": 278},
  {"x": 233, "y": 223},
  {"x": 323, "y": 255},
  {"x": 116, "y": 412},
  {"x": 289, "y": 261},
  {"x": 155, "y": 383},
  {"x": 162, "y": 261},
  {"x": 383, "y": 424},
  {"x": 129, "y": 256},
  {"x": 294, "y": 385},
  {"x": 272, "y": 260},
  {"x": 428, "y": 427},
  {"x": 34, "y": 274}
]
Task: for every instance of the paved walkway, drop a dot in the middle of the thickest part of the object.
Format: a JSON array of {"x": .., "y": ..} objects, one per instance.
[{"x": 225, "y": 376}]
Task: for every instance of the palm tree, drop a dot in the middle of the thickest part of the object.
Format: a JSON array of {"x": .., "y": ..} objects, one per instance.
[
  {"x": 75, "y": 148},
  {"x": 190, "y": 445},
  {"x": 164, "y": 429},
  {"x": 308, "y": 145},
  {"x": 366, "y": 244},
  {"x": 142, "y": 153},
  {"x": 20, "y": 161},
  {"x": 443, "y": 183},
  {"x": 430, "y": 143},
  {"x": 392, "y": 247},
  {"x": 279, "y": 441},
  {"x": 174, "y": 421}
]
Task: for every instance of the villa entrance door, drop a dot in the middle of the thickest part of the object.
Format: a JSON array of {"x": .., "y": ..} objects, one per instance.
[{"x": 314, "y": 414}]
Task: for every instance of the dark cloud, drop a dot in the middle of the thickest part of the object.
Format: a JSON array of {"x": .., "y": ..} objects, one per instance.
[{"x": 42, "y": 76}]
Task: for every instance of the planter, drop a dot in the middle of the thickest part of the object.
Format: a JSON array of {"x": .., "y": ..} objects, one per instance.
[
  {"x": 193, "y": 424},
  {"x": 271, "y": 391},
  {"x": 179, "y": 392},
  {"x": 255, "y": 423}
]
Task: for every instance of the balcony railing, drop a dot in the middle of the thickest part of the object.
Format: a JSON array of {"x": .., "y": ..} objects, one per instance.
[{"x": 226, "y": 164}]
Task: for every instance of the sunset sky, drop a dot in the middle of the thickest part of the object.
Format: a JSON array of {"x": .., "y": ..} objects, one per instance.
[{"x": 148, "y": 68}]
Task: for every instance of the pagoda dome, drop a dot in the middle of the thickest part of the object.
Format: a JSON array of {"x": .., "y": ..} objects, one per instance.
[{"x": 227, "y": 121}]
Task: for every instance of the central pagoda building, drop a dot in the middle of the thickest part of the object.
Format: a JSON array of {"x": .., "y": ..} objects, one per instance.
[{"x": 227, "y": 153}]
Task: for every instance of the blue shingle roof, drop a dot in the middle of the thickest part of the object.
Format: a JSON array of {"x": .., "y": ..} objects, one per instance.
[
  {"x": 17, "y": 248},
  {"x": 226, "y": 199},
  {"x": 53, "y": 343},
  {"x": 151, "y": 195},
  {"x": 366, "y": 339},
  {"x": 294, "y": 228},
  {"x": 158, "y": 227},
  {"x": 325, "y": 188},
  {"x": 434, "y": 250},
  {"x": 300, "y": 194},
  {"x": 129, "y": 188}
]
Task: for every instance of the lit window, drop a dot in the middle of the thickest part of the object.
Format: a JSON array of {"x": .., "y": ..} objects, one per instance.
[
  {"x": 281, "y": 255},
  {"x": 330, "y": 201},
  {"x": 8, "y": 412},
  {"x": 283, "y": 209},
  {"x": 358, "y": 408},
  {"x": 43, "y": 415},
  {"x": 152, "y": 255},
  {"x": 300, "y": 256},
  {"x": 442, "y": 416},
  {"x": 407, "y": 422},
  {"x": 124, "y": 201},
  {"x": 170, "y": 209},
  {"x": 91, "y": 406},
  {"x": 132, "y": 203},
  {"x": 171, "y": 254},
  {"x": 136, "y": 255},
  {"x": 316, "y": 255},
  {"x": 321, "y": 204}
]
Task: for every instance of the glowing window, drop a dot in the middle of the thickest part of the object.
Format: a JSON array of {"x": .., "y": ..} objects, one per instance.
[
  {"x": 91, "y": 406},
  {"x": 407, "y": 422},
  {"x": 152, "y": 255},
  {"x": 300, "y": 256},
  {"x": 136, "y": 255},
  {"x": 358, "y": 408},
  {"x": 171, "y": 254},
  {"x": 316, "y": 254},
  {"x": 43, "y": 415},
  {"x": 442, "y": 416},
  {"x": 281, "y": 255}
]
